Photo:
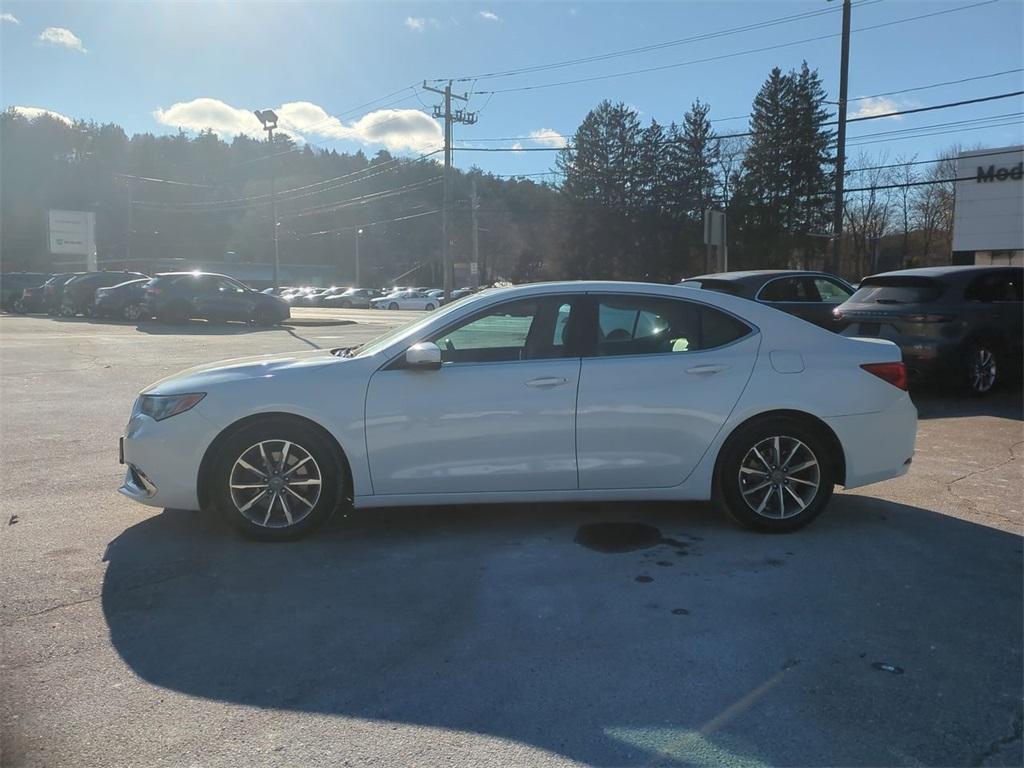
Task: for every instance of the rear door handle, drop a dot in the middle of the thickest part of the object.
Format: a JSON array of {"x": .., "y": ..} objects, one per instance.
[
  {"x": 707, "y": 370},
  {"x": 547, "y": 382}
]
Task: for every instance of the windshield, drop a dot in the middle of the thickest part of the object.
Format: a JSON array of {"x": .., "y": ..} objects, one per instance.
[
  {"x": 409, "y": 329},
  {"x": 905, "y": 290}
]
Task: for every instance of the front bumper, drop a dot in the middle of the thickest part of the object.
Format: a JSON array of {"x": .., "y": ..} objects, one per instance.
[{"x": 163, "y": 458}]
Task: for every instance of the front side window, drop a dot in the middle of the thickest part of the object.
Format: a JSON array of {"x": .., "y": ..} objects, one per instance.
[
  {"x": 530, "y": 329},
  {"x": 646, "y": 325},
  {"x": 830, "y": 291}
]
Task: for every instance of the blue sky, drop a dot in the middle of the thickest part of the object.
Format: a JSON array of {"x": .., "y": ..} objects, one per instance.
[{"x": 153, "y": 66}]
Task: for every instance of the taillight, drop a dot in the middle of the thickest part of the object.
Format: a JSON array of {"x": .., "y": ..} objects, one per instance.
[{"x": 893, "y": 373}]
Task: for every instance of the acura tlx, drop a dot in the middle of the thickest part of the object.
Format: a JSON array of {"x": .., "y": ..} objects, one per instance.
[{"x": 546, "y": 392}]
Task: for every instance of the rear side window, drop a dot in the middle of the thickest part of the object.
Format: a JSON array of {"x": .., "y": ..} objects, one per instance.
[
  {"x": 647, "y": 325},
  {"x": 995, "y": 287},
  {"x": 898, "y": 290},
  {"x": 830, "y": 291}
]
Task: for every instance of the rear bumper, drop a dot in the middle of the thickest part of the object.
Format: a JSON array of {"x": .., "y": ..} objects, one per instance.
[{"x": 877, "y": 446}]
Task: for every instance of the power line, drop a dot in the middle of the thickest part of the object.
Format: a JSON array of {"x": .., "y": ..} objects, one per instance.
[
  {"x": 743, "y": 134},
  {"x": 659, "y": 46},
  {"x": 339, "y": 230},
  {"x": 735, "y": 54},
  {"x": 362, "y": 200}
]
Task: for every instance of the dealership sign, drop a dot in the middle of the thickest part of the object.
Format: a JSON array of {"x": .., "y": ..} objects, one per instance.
[
  {"x": 988, "y": 213},
  {"x": 73, "y": 233},
  {"x": 1000, "y": 174}
]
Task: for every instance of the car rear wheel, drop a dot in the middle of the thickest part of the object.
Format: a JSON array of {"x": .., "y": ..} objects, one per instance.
[
  {"x": 393, "y": 305},
  {"x": 276, "y": 480},
  {"x": 981, "y": 368},
  {"x": 175, "y": 313},
  {"x": 429, "y": 307},
  {"x": 132, "y": 312},
  {"x": 775, "y": 475}
]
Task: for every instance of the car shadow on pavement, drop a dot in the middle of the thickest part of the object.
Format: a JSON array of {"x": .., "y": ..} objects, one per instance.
[
  {"x": 1007, "y": 402},
  {"x": 882, "y": 634}
]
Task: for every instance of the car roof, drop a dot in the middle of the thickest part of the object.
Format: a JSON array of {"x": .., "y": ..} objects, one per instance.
[
  {"x": 755, "y": 274},
  {"x": 192, "y": 274},
  {"x": 960, "y": 271}
]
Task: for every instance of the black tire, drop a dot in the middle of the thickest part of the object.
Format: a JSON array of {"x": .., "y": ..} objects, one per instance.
[
  {"x": 980, "y": 368},
  {"x": 346, "y": 304},
  {"x": 175, "y": 313},
  {"x": 19, "y": 307},
  {"x": 275, "y": 430},
  {"x": 741, "y": 498},
  {"x": 265, "y": 317},
  {"x": 393, "y": 305},
  {"x": 429, "y": 307}
]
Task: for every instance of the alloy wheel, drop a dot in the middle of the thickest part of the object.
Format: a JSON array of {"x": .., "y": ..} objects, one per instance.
[
  {"x": 982, "y": 370},
  {"x": 275, "y": 483},
  {"x": 779, "y": 477}
]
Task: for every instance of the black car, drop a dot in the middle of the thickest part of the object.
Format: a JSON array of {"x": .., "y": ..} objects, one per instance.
[
  {"x": 122, "y": 301},
  {"x": 47, "y": 297},
  {"x": 175, "y": 297},
  {"x": 13, "y": 285},
  {"x": 80, "y": 291},
  {"x": 958, "y": 325},
  {"x": 808, "y": 295}
]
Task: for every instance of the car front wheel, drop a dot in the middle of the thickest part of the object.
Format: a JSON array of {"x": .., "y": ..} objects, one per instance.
[
  {"x": 775, "y": 476},
  {"x": 276, "y": 480},
  {"x": 393, "y": 305}
]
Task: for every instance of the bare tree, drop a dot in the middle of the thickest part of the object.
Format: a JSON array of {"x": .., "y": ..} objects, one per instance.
[{"x": 868, "y": 212}]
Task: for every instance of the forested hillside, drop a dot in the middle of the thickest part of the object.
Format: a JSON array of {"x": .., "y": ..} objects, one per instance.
[{"x": 628, "y": 202}]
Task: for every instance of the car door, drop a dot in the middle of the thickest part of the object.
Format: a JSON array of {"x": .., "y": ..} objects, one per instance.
[
  {"x": 994, "y": 302},
  {"x": 226, "y": 300},
  {"x": 658, "y": 379},
  {"x": 498, "y": 415},
  {"x": 794, "y": 294},
  {"x": 831, "y": 293}
]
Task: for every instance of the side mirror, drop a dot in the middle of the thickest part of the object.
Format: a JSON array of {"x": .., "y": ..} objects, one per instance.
[{"x": 424, "y": 356}]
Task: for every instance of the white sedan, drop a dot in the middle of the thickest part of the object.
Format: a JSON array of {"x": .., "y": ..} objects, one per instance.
[
  {"x": 551, "y": 392},
  {"x": 405, "y": 300}
]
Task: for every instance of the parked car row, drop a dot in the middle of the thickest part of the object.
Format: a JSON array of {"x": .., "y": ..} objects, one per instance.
[
  {"x": 172, "y": 297},
  {"x": 954, "y": 325}
]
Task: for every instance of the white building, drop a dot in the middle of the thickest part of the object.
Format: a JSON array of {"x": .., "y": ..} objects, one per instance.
[{"x": 988, "y": 217}]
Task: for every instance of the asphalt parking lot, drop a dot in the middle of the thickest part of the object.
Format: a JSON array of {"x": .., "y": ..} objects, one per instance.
[{"x": 887, "y": 633}]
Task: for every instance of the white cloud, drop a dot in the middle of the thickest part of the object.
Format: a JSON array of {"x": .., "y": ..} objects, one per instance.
[
  {"x": 33, "y": 112},
  {"x": 490, "y": 16},
  {"x": 548, "y": 137},
  {"x": 395, "y": 129},
  {"x": 62, "y": 37},
  {"x": 878, "y": 105},
  {"x": 420, "y": 24},
  {"x": 9, "y": 17}
]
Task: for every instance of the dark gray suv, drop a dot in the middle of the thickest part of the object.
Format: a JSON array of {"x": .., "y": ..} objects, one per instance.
[{"x": 959, "y": 325}]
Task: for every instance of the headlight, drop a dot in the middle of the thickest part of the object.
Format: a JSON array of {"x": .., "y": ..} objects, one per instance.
[{"x": 160, "y": 407}]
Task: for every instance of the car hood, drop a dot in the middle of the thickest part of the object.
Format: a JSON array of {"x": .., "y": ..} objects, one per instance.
[{"x": 201, "y": 377}]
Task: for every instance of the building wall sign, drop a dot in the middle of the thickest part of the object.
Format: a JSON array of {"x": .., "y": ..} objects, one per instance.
[{"x": 989, "y": 209}]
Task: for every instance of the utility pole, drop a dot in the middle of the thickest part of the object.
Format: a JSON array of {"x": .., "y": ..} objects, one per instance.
[
  {"x": 474, "y": 203},
  {"x": 844, "y": 78},
  {"x": 449, "y": 117},
  {"x": 269, "y": 119}
]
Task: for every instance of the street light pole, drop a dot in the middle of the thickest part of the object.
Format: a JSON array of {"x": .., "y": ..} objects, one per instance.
[
  {"x": 358, "y": 282},
  {"x": 269, "y": 120}
]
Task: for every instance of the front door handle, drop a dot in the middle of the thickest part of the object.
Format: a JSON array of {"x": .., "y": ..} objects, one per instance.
[
  {"x": 707, "y": 370},
  {"x": 547, "y": 382}
]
